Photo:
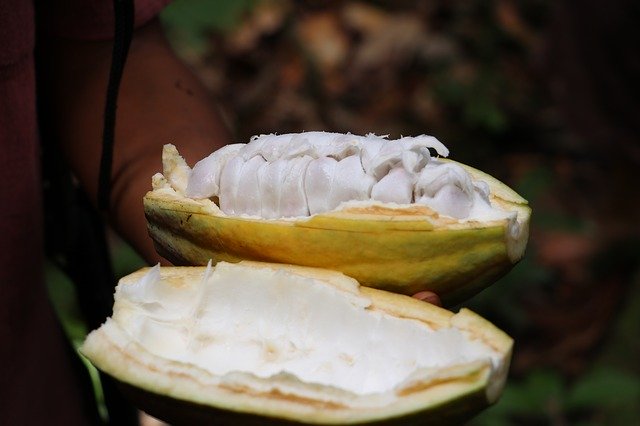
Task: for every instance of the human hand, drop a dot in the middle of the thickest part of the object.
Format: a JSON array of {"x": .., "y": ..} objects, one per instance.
[{"x": 429, "y": 297}]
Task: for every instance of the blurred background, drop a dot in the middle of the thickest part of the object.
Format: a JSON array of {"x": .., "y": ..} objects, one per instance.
[{"x": 542, "y": 94}]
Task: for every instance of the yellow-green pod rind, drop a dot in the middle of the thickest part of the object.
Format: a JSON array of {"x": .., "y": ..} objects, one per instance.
[{"x": 402, "y": 250}]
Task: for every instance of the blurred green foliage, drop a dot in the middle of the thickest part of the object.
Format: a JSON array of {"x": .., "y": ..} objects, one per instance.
[
  {"x": 189, "y": 23},
  {"x": 65, "y": 303},
  {"x": 602, "y": 396}
]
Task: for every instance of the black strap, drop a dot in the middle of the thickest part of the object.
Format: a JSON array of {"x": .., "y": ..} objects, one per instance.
[{"x": 124, "y": 18}]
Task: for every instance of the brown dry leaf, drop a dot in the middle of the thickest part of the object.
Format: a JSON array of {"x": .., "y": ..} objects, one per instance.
[
  {"x": 364, "y": 18},
  {"x": 398, "y": 43},
  {"x": 292, "y": 74},
  {"x": 568, "y": 327},
  {"x": 325, "y": 41},
  {"x": 424, "y": 105},
  {"x": 568, "y": 252},
  {"x": 265, "y": 18},
  {"x": 508, "y": 16},
  {"x": 327, "y": 46}
]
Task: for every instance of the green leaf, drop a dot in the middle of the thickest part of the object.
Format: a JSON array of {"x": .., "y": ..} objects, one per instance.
[
  {"x": 189, "y": 21},
  {"x": 536, "y": 182},
  {"x": 63, "y": 298},
  {"x": 65, "y": 303},
  {"x": 534, "y": 398},
  {"x": 124, "y": 259},
  {"x": 605, "y": 387}
]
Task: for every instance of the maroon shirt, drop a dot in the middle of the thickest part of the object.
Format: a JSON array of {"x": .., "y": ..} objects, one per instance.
[{"x": 37, "y": 383}]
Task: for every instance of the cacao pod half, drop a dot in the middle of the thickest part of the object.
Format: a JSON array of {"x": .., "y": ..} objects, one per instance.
[
  {"x": 254, "y": 342},
  {"x": 400, "y": 248}
]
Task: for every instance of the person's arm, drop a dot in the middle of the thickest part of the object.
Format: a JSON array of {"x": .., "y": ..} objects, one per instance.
[{"x": 160, "y": 102}]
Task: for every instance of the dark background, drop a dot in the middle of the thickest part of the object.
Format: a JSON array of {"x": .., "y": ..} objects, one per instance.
[{"x": 541, "y": 94}]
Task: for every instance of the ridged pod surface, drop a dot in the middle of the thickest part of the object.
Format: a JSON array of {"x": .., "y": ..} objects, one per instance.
[{"x": 402, "y": 249}]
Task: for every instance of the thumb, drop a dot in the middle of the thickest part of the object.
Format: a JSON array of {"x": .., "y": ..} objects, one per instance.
[{"x": 428, "y": 296}]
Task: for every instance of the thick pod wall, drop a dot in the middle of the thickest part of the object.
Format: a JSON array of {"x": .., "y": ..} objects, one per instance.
[
  {"x": 399, "y": 248},
  {"x": 258, "y": 343}
]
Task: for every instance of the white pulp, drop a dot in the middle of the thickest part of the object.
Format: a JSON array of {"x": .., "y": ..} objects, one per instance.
[
  {"x": 302, "y": 174},
  {"x": 267, "y": 322}
]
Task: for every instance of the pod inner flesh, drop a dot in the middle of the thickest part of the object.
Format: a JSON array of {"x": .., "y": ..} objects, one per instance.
[
  {"x": 302, "y": 174},
  {"x": 269, "y": 322}
]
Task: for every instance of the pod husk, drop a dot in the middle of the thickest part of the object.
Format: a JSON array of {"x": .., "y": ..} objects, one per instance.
[
  {"x": 402, "y": 250},
  {"x": 184, "y": 394}
]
